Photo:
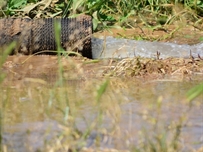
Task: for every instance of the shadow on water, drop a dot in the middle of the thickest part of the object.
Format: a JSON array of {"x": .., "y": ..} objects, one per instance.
[{"x": 130, "y": 115}]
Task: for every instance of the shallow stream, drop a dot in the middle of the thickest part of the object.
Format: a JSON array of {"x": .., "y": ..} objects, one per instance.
[
  {"x": 41, "y": 113},
  {"x": 133, "y": 112}
]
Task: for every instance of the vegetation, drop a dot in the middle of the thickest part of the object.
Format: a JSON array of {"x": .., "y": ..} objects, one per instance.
[
  {"x": 64, "y": 103},
  {"x": 111, "y": 13}
]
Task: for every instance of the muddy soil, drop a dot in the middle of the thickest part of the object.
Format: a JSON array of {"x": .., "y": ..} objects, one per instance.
[
  {"x": 180, "y": 34},
  {"x": 46, "y": 67}
]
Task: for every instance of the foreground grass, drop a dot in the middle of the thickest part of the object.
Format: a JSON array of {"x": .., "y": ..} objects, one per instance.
[
  {"x": 82, "y": 107},
  {"x": 103, "y": 98}
]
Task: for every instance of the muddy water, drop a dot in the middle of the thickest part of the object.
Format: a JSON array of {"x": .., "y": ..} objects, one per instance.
[{"x": 130, "y": 113}]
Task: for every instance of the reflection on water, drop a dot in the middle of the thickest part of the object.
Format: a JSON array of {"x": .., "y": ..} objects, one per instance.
[
  {"x": 133, "y": 112},
  {"x": 30, "y": 136}
]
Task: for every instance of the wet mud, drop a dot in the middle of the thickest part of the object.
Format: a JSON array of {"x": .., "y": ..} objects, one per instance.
[{"x": 45, "y": 68}]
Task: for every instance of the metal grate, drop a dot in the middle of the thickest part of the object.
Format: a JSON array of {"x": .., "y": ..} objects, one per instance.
[{"x": 37, "y": 35}]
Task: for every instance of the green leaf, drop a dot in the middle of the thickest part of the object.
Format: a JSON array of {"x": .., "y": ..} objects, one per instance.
[
  {"x": 8, "y": 51},
  {"x": 66, "y": 114},
  {"x": 30, "y": 7},
  {"x": 14, "y": 4},
  {"x": 102, "y": 89},
  {"x": 195, "y": 92},
  {"x": 3, "y": 58},
  {"x": 76, "y": 4},
  {"x": 95, "y": 23},
  {"x": 201, "y": 38}
]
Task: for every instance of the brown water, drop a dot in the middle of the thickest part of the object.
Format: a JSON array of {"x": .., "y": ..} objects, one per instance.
[{"x": 129, "y": 113}]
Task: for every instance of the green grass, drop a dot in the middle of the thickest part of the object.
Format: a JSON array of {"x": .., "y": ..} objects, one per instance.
[
  {"x": 195, "y": 92},
  {"x": 111, "y": 13},
  {"x": 3, "y": 58}
]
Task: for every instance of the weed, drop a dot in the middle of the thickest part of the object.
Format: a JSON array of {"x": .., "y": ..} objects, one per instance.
[
  {"x": 64, "y": 102},
  {"x": 4, "y": 56},
  {"x": 195, "y": 92},
  {"x": 57, "y": 29},
  {"x": 109, "y": 13}
]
